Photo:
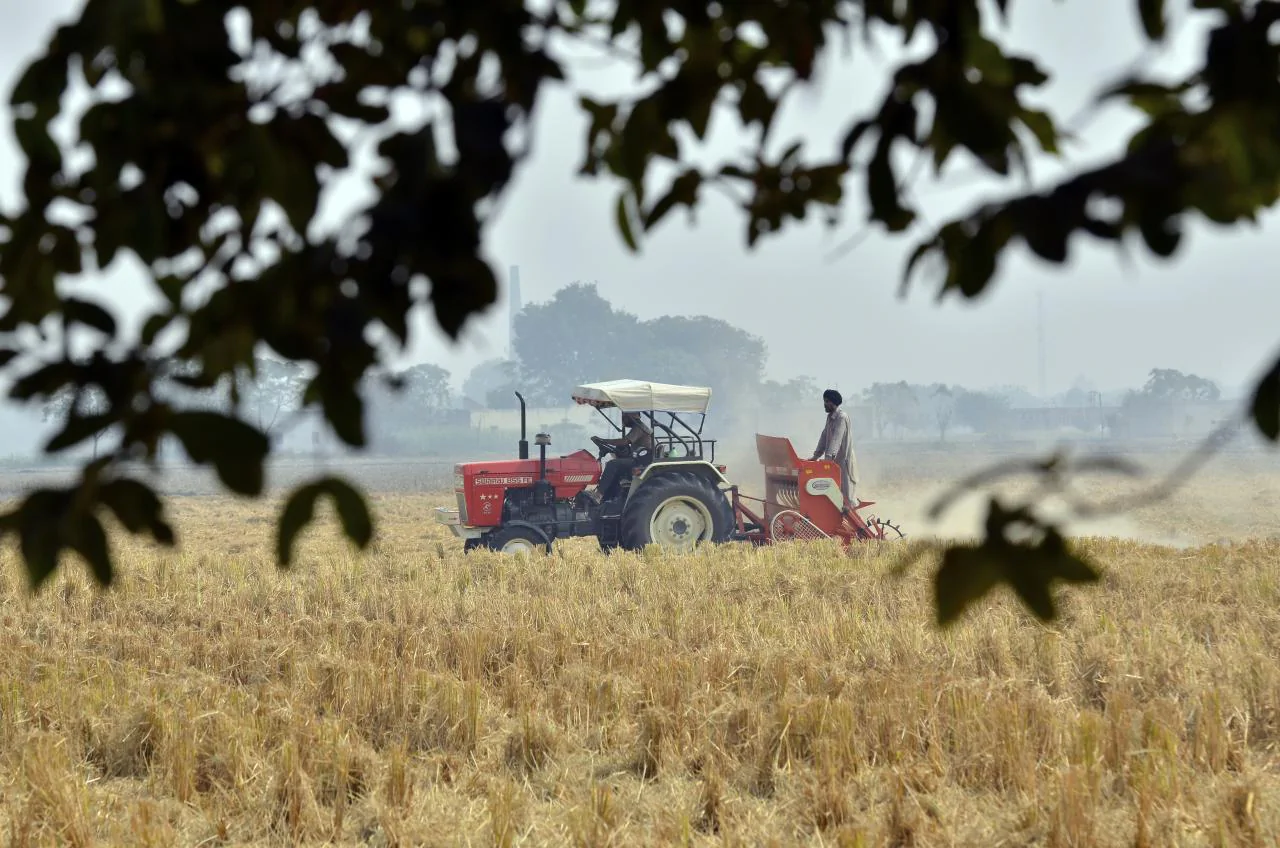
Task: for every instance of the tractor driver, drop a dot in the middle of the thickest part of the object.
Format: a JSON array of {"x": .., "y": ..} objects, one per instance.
[{"x": 637, "y": 437}]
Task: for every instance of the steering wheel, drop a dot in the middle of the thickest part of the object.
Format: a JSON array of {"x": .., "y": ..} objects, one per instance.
[{"x": 604, "y": 449}]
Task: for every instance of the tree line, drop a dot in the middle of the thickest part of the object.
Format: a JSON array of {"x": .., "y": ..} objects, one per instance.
[{"x": 578, "y": 336}]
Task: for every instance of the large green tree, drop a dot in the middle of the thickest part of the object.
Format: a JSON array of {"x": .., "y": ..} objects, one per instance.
[
  {"x": 578, "y": 336},
  {"x": 215, "y": 127},
  {"x": 574, "y": 337}
]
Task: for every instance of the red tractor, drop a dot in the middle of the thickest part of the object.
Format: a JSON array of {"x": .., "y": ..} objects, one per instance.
[{"x": 669, "y": 492}]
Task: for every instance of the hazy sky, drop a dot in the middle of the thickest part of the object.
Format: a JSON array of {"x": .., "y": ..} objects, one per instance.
[{"x": 1214, "y": 311}]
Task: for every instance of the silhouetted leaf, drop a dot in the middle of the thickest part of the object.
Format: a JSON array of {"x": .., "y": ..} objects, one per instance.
[
  {"x": 1017, "y": 549},
  {"x": 1160, "y": 233},
  {"x": 1045, "y": 230},
  {"x": 90, "y": 541},
  {"x": 755, "y": 106},
  {"x": 683, "y": 192},
  {"x": 299, "y": 511},
  {"x": 78, "y": 429},
  {"x": 466, "y": 288},
  {"x": 343, "y": 99},
  {"x": 1152, "y": 98},
  {"x": 353, "y": 512},
  {"x": 623, "y": 219},
  {"x": 1041, "y": 126},
  {"x": 343, "y": 408},
  {"x": 965, "y": 576},
  {"x": 47, "y": 381},
  {"x": 882, "y": 191},
  {"x": 1032, "y": 587},
  {"x": 154, "y": 326},
  {"x": 42, "y": 82},
  {"x": 78, "y": 311},
  {"x": 1152, "y": 14},
  {"x": 38, "y": 522},
  {"x": 137, "y": 507},
  {"x": 235, "y": 449},
  {"x": 1266, "y": 404}
]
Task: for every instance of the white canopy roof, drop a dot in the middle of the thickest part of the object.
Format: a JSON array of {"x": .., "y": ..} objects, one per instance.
[{"x": 643, "y": 396}]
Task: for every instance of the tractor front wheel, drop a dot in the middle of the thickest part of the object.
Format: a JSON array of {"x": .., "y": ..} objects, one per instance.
[
  {"x": 516, "y": 540},
  {"x": 677, "y": 512}
]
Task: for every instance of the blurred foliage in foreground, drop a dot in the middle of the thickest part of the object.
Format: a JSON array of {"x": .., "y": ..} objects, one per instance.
[{"x": 214, "y": 129}]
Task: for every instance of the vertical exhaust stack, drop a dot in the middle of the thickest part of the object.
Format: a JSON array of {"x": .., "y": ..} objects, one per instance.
[
  {"x": 524, "y": 442},
  {"x": 542, "y": 440}
]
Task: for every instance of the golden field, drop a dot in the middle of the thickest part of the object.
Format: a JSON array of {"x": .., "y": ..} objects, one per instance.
[{"x": 793, "y": 695}]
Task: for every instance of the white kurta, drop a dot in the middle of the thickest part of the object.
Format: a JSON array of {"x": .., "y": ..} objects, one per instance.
[{"x": 836, "y": 444}]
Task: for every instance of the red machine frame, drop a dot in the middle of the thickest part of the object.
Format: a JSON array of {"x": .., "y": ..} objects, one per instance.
[{"x": 801, "y": 502}]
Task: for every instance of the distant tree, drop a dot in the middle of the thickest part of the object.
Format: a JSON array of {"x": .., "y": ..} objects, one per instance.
[
  {"x": 575, "y": 336},
  {"x": 493, "y": 375},
  {"x": 426, "y": 387},
  {"x": 88, "y": 405},
  {"x": 941, "y": 402},
  {"x": 179, "y": 384},
  {"x": 1168, "y": 384},
  {"x": 796, "y": 392},
  {"x": 1153, "y": 410},
  {"x": 893, "y": 405},
  {"x": 274, "y": 389},
  {"x": 505, "y": 398},
  {"x": 714, "y": 353}
]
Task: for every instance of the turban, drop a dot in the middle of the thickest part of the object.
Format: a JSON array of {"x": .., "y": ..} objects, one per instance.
[{"x": 833, "y": 396}]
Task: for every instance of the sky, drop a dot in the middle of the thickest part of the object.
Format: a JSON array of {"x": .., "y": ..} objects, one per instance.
[{"x": 1108, "y": 320}]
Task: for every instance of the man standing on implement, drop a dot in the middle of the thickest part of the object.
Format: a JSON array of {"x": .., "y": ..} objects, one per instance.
[{"x": 836, "y": 444}]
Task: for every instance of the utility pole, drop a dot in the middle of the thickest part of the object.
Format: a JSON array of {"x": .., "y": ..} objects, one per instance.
[{"x": 1044, "y": 392}]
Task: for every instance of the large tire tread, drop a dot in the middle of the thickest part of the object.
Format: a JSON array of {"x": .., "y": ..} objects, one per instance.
[{"x": 634, "y": 532}]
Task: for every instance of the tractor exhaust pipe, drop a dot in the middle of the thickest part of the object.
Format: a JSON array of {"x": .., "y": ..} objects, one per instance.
[
  {"x": 524, "y": 442},
  {"x": 542, "y": 440}
]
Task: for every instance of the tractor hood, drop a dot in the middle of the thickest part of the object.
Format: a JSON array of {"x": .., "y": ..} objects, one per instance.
[{"x": 578, "y": 469}]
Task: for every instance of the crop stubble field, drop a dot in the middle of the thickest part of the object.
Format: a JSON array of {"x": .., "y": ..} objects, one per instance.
[{"x": 792, "y": 695}]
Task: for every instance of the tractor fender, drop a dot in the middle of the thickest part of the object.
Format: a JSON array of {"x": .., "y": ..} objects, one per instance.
[
  {"x": 542, "y": 534},
  {"x": 700, "y": 467}
]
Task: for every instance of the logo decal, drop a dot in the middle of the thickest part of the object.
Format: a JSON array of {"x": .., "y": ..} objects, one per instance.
[{"x": 503, "y": 481}]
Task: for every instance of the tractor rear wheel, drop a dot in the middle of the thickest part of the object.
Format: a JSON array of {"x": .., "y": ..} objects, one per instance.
[
  {"x": 677, "y": 512},
  {"x": 515, "y": 540}
]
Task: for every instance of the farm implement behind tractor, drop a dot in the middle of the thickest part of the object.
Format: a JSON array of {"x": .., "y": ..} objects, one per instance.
[
  {"x": 802, "y": 501},
  {"x": 668, "y": 491}
]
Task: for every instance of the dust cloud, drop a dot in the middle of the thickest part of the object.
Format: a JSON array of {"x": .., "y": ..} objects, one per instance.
[{"x": 1236, "y": 496}]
